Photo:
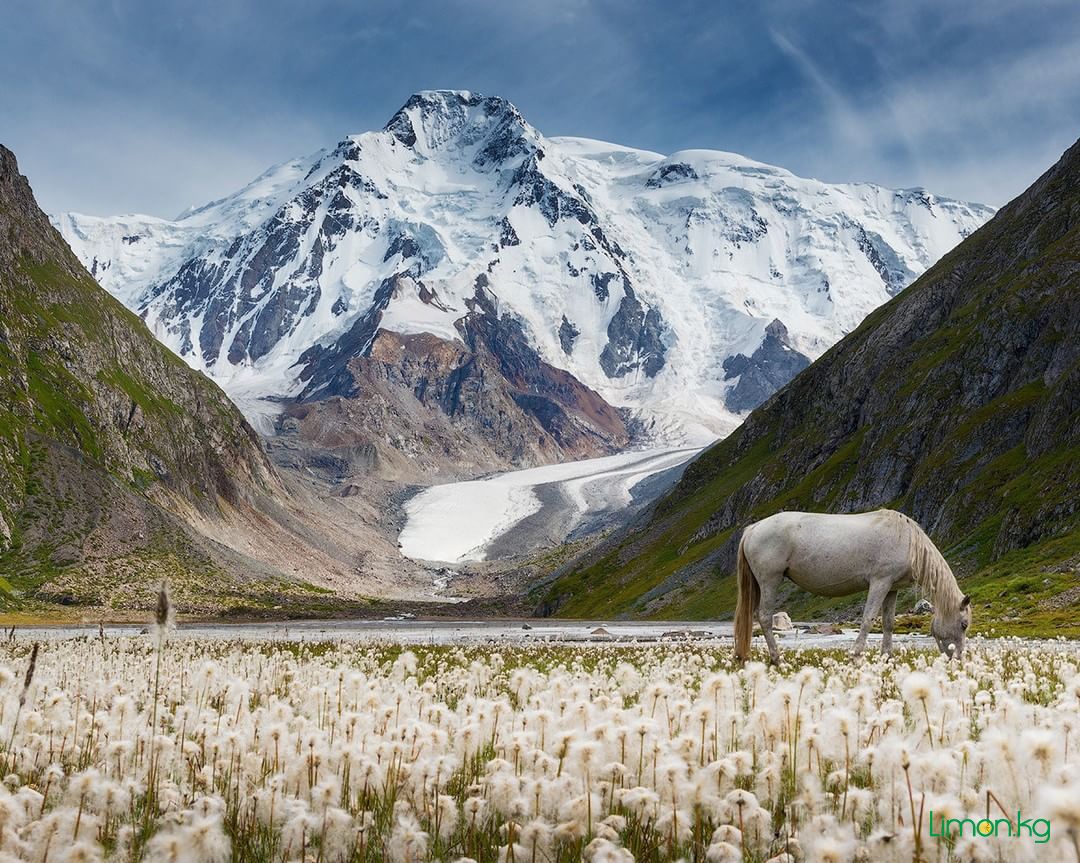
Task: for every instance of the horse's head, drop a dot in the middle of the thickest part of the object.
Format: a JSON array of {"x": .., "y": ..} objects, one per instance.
[{"x": 949, "y": 630}]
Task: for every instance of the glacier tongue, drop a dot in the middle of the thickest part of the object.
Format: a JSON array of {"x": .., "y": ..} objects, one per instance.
[{"x": 652, "y": 279}]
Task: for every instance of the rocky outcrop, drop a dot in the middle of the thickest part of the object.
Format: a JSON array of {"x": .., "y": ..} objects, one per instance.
[
  {"x": 568, "y": 334},
  {"x": 409, "y": 407},
  {"x": 773, "y": 364},
  {"x": 635, "y": 340}
]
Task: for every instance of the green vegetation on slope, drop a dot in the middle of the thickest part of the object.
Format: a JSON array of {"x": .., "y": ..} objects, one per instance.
[
  {"x": 107, "y": 439},
  {"x": 956, "y": 402}
]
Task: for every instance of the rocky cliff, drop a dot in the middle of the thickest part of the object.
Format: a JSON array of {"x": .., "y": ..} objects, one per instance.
[
  {"x": 416, "y": 406},
  {"x": 957, "y": 402}
]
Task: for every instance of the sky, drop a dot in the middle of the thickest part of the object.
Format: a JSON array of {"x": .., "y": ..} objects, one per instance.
[{"x": 152, "y": 107}]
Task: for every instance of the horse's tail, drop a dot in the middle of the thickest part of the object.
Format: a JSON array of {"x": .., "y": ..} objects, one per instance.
[{"x": 749, "y": 597}]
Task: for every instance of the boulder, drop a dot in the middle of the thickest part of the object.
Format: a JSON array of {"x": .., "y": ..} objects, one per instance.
[{"x": 781, "y": 622}]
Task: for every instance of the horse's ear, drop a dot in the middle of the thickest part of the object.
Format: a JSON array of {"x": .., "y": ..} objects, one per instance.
[{"x": 966, "y": 602}]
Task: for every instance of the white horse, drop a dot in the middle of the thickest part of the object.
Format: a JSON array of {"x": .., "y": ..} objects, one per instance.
[{"x": 838, "y": 555}]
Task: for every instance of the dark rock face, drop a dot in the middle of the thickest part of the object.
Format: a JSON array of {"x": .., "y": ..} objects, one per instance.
[
  {"x": 491, "y": 397},
  {"x": 419, "y": 245},
  {"x": 772, "y": 365},
  {"x": 600, "y": 282},
  {"x": 239, "y": 290},
  {"x": 536, "y": 189},
  {"x": 894, "y": 273},
  {"x": 568, "y": 334},
  {"x": 469, "y": 118},
  {"x": 508, "y": 236},
  {"x": 325, "y": 369},
  {"x": 671, "y": 173},
  {"x": 635, "y": 340}
]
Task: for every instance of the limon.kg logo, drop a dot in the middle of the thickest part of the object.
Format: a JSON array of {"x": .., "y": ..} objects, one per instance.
[{"x": 1037, "y": 829}]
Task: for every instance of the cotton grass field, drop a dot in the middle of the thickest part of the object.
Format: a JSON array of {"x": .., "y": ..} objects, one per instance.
[{"x": 179, "y": 749}]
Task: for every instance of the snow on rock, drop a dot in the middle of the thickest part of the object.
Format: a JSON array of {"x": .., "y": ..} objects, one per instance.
[{"x": 641, "y": 274}]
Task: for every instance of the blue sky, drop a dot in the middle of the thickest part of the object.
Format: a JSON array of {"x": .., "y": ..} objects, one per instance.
[{"x": 151, "y": 107}]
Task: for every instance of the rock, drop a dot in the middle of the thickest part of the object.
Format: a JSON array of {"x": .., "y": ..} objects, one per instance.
[
  {"x": 635, "y": 339},
  {"x": 671, "y": 173},
  {"x": 600, "y": 631},
  {"x": 923, "y": 606},
  {"x": 418, "y": 404},
  {"x": 568, "y": 334},
  {"x": 781, "y": 622},
  {"x": 772, "y": 365},
  {"x": 824, "y": 629},
  {"x": 525, "y": 626}
]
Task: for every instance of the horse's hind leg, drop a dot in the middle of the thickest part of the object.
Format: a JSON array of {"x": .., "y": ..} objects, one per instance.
[
  {"x": 766, "y": 609},
  {"x": 875, "y": 597},
  {"x": 888, "y": 619}
]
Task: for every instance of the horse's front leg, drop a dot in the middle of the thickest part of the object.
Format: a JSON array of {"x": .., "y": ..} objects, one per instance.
[
  {"x": 875, "y": 597},
  {"x": 888, "y": 619}
]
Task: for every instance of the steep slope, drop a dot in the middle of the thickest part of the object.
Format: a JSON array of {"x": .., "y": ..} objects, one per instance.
[
  {"x": 683, "y": 289},
  {"x": 119, "y": 465},
  {"x": 957, "y": 402}
]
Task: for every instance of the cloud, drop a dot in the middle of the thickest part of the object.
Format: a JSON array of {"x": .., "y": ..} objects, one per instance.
[
  {"x": 849, "y": 126},
  {"x": 118, "y": 105},
  {"x": 978, "y": 124}
]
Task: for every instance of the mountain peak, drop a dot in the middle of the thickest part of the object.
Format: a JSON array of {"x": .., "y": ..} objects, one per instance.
[
  {"x": 433, "y": 120},
  {"x": 25, "y": 228}
]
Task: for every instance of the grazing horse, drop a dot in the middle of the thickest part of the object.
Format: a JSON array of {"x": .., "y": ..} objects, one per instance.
[{"x": 838, "y": 555}]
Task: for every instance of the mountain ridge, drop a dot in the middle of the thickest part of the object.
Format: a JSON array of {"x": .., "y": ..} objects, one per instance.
[
  {"x": 637, "y": 274},
  {"x": 957, "y": 402}
]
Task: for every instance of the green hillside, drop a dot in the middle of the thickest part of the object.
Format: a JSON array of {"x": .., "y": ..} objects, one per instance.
[
  {"x": 957, "y": 402},
  {"x": 111, "y": 448}
]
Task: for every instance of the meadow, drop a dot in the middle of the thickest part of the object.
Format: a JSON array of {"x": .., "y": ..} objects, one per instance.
[{"x": 204, "y": 751}]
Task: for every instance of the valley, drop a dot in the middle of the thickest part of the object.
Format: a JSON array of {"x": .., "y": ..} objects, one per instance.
[{"x": 475, "y": 364}]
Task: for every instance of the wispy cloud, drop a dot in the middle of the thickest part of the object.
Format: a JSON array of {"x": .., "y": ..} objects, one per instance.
[{"x": 977, "y": 123}]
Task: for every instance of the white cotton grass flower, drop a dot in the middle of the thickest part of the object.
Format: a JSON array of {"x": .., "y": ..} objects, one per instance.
[
  {"x": 606, "y": 851},
  {"x": 724, "y": 852},
  {"x": 917, "y": 686},
  {"x": 1061, "y": 805},
  {"x": 347, "y": 751}
]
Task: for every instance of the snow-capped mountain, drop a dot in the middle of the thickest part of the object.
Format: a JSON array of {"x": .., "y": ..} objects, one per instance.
[{"x": 684, "y": 288}]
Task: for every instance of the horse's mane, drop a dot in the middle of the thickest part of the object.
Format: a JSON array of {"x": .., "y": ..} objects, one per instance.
[{"x": 931, "y": 571}]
